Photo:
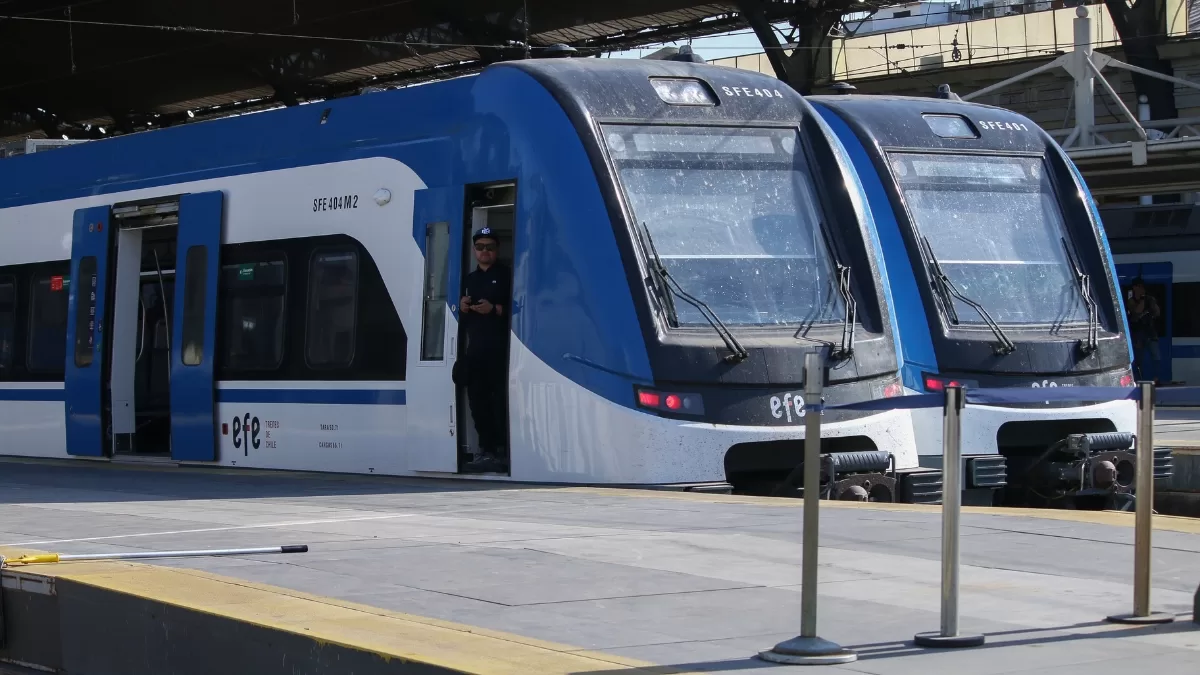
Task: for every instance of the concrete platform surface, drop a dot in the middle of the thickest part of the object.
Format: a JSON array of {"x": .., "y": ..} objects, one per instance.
[
  {"x": 1177, "y": 427},
  {"x": 624, "y": 578}
]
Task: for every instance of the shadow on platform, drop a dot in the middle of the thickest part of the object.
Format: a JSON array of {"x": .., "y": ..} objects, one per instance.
[{"x": 49, "y": 481}]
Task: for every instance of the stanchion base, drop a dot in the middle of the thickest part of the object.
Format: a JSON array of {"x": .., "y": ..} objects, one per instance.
[
  {"x": 936, "y": 639},
  {"x": 1151, "y": 618},
  {"x": 808, "y": 651}
]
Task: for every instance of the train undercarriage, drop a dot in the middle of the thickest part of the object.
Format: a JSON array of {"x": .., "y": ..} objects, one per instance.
[{"x": 1090, "y": 471}]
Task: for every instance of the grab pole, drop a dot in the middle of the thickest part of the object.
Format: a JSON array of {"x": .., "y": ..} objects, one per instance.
[
  {"x": 1143, "y": 514},
  {"x": 951, "y": 509},
  {"x": 807, "y": 649}
]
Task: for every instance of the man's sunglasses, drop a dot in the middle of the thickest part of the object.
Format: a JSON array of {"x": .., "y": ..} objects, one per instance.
[{"x": 485, "y": 247}]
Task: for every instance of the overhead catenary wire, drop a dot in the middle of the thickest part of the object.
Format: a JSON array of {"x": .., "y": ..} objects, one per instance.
[{"x": 201, "y": 30}]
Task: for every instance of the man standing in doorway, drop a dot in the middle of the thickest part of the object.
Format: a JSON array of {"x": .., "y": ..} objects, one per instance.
[
  {"x": 484, "y": 308},
  {"x": 1143, "y": 316}
]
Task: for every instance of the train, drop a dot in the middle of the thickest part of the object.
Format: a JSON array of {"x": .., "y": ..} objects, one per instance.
[
  {"x": 1002, "y": 276},
  {"x": 1159, "y": 244},
  {"x": 279, "y": 290}
]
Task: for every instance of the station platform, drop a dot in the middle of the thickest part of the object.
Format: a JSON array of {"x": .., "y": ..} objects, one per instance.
[
  {"x": 1177, "y": 427},
  {"x": 425, "y": 576}
]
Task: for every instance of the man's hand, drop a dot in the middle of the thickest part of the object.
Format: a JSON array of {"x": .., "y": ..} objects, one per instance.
[
  {"x": 465, "y": 303},
  {"x": 484, "y": 307}
]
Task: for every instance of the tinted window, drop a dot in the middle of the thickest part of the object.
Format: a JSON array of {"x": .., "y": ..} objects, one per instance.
[
  {"x": 733, "y": 217},
  {"x": 194, "y": 283},
  {"x": 252, "y": 309},
  {"x": 8, "y": 325},
  {"x": 48, "y": 324},
  {"x": 86, "y": 294},
  {"x": 995, "y": 226},
  {"x": 332, "y": 298},
  {"x": 1185, "y": 303},
  {"x": 437, "y": 254}
]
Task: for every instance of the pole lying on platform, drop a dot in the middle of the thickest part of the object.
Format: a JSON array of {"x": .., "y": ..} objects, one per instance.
[
  {"x": 43, "y": 558},
  {"x": 949, "y": 636},
  {"x": 1143, "y": 514},
  {"x": 808, "y": 649}
]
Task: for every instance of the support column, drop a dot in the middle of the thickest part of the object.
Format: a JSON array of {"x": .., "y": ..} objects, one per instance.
[{"x": 1085, "y": 102}]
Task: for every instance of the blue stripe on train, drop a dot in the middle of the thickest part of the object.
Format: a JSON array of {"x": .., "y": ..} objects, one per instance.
[
  {"x": 327, "y": 396},
  {"x": 316, "y": 396},
  {"x": 32, "y": 395},
  {"x": 1185, "y": 351}
]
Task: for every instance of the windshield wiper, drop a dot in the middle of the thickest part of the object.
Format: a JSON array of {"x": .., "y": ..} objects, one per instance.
[
  {"x": 846, "y": 349},
  {"x": 947, "y": 288},
  {"x": 1092, "y": 342},
  {"x": 737, "y": 351}
]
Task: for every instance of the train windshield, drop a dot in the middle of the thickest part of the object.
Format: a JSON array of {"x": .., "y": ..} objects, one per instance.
[
  {"x": 994, "y": 226},
  {"x": 732, "y": 216}
]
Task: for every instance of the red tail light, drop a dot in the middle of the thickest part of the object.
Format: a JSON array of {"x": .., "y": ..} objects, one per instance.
[
  {"x": 650, "y": 399},
  {"x": 688, "y": 404},
  {"x": 893, "y": 390},
  {"x": 935, "y": 384},
  {"x": 1127, "y": 380}
]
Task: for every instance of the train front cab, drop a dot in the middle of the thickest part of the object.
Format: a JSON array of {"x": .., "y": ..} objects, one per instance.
[
  {"x": 1002, "y": 278},
  {"x": 738, "y": 225}
]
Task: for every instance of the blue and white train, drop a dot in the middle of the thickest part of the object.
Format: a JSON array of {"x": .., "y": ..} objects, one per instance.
[
  {"x": 1160, "y": 244},
  {"x": 1001, "y": 276},
  {"x": 279, "y": 290}
]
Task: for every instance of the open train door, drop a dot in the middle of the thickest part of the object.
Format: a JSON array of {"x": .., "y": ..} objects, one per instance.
[
  {"x": 432, "y": 418},
  {"x": 86, "y": 305},
  {"x": 1157, "y": 276},
  {"x": 193, "y": 413}
]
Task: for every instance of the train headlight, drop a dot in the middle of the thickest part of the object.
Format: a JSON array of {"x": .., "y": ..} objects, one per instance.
[
  {"x": 675, "y": 402},
  {"x": 682, "y": 91}
]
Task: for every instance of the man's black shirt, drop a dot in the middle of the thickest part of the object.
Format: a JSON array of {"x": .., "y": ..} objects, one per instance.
[{"x": 487, "y": 334}]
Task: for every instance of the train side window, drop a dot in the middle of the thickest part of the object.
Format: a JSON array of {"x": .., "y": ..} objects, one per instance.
[
  {"x": 8, "y": 325},
  {"x": 48, "y": 324},
  {"x": 194, "y": 282},
  {"x": 332, "y": 305},
  {"x": 1185, "y": 307},
  {"x": 437, "y": 257},
  {"x": 253, "y": 298},
  {"x": 85, "y": 312}
]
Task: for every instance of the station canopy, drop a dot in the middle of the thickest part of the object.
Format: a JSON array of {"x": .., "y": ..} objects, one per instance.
[{"x": 98, "y": 67}]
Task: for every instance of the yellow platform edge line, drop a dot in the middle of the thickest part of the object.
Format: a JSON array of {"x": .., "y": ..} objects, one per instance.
[{"x": 392, "y": 636}]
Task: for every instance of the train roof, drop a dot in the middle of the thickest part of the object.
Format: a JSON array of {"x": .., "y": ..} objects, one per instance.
[
  {"x": 903, "y": 122},
  {"x": 600, "y": 88}
]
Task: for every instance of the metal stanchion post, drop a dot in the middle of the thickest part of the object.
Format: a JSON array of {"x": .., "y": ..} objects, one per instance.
[
  {"x": 1144, "y": 510},
  {"x": 1196, "y": 606},
  {"x": 807, "y": 648},
  {"x": 949, "y": 636}
]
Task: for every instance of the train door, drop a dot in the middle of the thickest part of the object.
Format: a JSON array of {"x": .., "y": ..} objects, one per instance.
[
  {"x": 193, "y": 398},
  {"x": 491, "y": 206},
  {"x": 432, "y": 417},
  {"x": 139, "y": 369},
  {"x": 1157, "y": 278},
  {"x": 86, "y": 332}
]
